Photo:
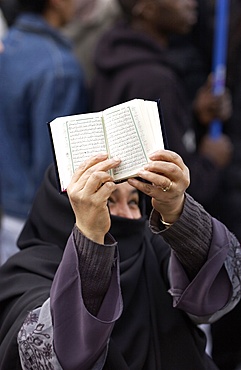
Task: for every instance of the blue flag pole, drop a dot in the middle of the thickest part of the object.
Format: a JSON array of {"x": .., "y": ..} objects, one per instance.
[{"x": 219, "y": 57}]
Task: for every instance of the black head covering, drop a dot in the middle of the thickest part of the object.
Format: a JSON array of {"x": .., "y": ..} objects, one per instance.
[
  {"x": 149, "y": 335},
  {"x": 127, "y": 6}
]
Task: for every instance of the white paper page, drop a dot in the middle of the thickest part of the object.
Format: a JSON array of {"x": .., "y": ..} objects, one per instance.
[
  {"x": 156, "y": 142},
  {"x": 147, "y": 119},
  {"x": 124, "y": 139},
  {"x": 84, "y": 134},
  {"x": 141, "y": 117}
]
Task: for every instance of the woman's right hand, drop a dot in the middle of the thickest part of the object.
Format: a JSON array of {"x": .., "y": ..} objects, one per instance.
[{"x": 88, "y": 191}]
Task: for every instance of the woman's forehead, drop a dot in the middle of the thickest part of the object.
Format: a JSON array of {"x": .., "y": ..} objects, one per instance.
[{"x": 125, "y": 189}]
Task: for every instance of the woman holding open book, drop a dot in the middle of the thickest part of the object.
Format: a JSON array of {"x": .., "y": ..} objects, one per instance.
[{"x": 97, "y": 286}]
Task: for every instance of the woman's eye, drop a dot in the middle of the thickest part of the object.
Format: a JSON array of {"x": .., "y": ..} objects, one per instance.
[{"x": 134, "y": 202}]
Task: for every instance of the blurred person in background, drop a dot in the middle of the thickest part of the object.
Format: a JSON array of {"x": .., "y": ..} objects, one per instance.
[
  {"x": 138, "y": 58},
  {"x": 226, "y": 332},
  {"x": 229, "y": 202},
  {"x": 3, "y": 24},
  {"x": 10, "y": 9},
  {"x": 40, "y": 80},
  {"x": 92, "y": 19}
]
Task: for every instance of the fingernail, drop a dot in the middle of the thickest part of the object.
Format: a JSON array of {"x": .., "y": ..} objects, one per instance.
[
  {"x": 116, "y": 159},
  {"x": 101, "y": 155},
  {"x": 132, "y": 181},
  {"x": 142, "y": 172},
  {"x": 153, "y": 154}
]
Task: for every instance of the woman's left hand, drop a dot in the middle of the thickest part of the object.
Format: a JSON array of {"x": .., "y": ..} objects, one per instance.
[{"x": 168, "y": 178}]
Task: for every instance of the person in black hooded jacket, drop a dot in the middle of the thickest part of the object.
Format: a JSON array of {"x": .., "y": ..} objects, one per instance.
[{"x": 134, "y": 59}]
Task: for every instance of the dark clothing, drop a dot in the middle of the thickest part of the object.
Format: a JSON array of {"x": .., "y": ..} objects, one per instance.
[
  {"x": 226, "y": 339},
  {"x": 131, "y": 65},
  {"x": 229, "y": 202},
  {"x": 31, "y": 274},
  {"x": 226, "y": 332},
  {"x": 148, "y": 318}
]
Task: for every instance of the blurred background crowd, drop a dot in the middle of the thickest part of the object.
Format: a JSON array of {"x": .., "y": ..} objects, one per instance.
[{"x": 63, "y": 57}]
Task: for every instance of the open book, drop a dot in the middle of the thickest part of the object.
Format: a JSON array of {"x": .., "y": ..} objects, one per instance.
[{"x": 129, "y": 131}]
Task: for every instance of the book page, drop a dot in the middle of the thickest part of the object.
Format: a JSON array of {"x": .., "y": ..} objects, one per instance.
[
  {"x": 86, "y": 138},
  {"x": 155, "y": 139},
  {"x": 146, "y": 116},
  {"x": 124, "y": 139},
  {"x": 75, "y": 139}
]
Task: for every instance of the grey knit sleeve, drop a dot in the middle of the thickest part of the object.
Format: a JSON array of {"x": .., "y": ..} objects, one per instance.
[
  {"x": 95, "y": 267},
  {"x": 190, "y": 236}
]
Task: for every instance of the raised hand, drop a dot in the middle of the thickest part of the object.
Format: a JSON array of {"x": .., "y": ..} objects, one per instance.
[
  {"x": 88, "y": 192},
  {"x": 168, "y": 179}
]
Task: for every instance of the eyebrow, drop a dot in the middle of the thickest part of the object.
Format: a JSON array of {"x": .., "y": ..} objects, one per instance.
[{"x": 134, "y": 191}]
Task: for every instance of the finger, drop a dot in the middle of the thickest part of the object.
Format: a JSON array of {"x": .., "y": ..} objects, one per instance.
[
  {"x": 166, "y": 176},
  {"x": 89, "y": 186},
  {"x": 98, "y": 163},
  {"x": 167, "y": 156},
  {"x": 165, "y": 184},
  {"x": 105, "y": 191},
  {"x": 88, "y": 164},
  {"x": 160, "y": 181},
  {"x": 103, "y": 167},
  {"x": 92, "y": 192},
  {"x": 96, "y": 181},
  {"x": 162, "y": 172}
]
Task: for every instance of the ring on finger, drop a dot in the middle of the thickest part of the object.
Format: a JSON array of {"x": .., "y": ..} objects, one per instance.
[{"x": 167, "y": 188}]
